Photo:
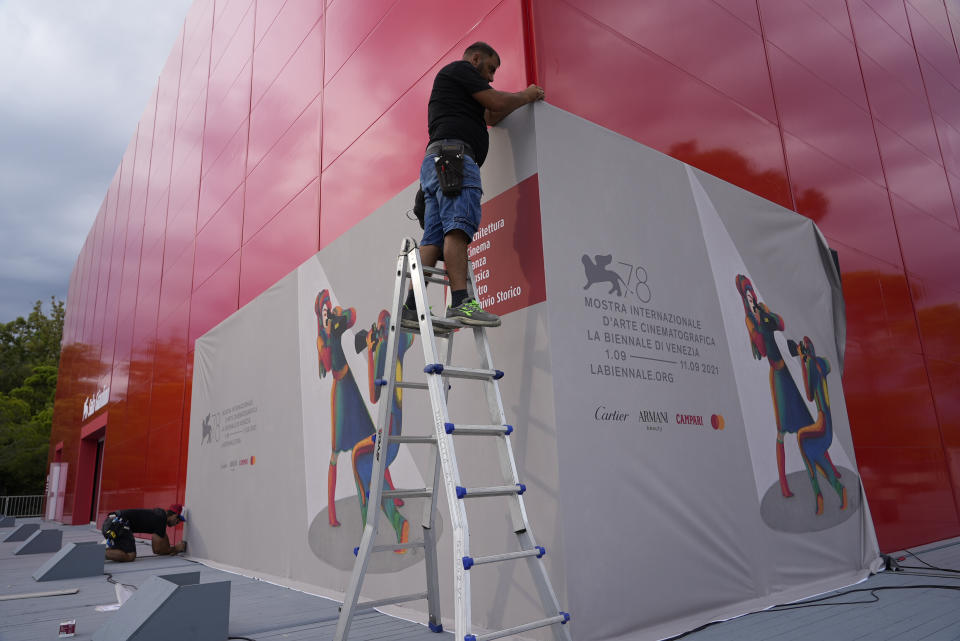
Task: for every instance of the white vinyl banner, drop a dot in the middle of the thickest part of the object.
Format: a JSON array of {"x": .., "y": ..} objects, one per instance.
[
  {"x": 706, "y": 463},
  {"x": 673, "y": 349}
]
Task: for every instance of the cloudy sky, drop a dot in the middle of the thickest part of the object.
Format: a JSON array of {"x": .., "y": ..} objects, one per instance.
[{"x": 74, "y": 79}]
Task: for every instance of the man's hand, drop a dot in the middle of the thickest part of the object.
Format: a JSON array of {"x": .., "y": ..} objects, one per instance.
[
  {"x": 499, "y": 104},
  {"x": 533, "y": 93}
]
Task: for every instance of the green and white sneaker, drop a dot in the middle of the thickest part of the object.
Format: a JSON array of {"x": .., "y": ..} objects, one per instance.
[{"x": 469, "y": 312}]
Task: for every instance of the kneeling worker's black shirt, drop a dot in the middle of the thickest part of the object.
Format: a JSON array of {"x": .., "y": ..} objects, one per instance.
[
  {"x": 452, "y": 111},
  {"x": 146, "y": 521}
]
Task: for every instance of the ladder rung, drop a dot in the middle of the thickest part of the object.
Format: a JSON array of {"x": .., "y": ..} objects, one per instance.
[
  {"x": 404, "y": 494},
  {"x": 446, "y": 323},
  {"x": 434, "y": 275},
  {"x": 478, "y": 430},
  {"x": 422, "y": 440},
  {"x": 408, "y": 385},
  {"x": 561, "y": 618},
  {"x": 470, "y": 561},
  {"x": 441, "y": 326},
  {"x": 390, "y": 600},
  {"x": 496, "y": 490},
  {"x": 463, "y": 372},
  {"x": 396, "y": 546},
  {"x": 433, "y": 270}
]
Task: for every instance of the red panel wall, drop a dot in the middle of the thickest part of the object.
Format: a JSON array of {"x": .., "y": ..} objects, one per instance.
[
  {"x": 249, "y": 134},
  {"x": 271, "y": 116}
]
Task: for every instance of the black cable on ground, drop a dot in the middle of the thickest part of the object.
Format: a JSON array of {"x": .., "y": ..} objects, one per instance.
[
  {"x": 817, "y": 603},
  {"x": 930, "y": 566},
  {"x": 930, "y": 574},
  {"x": 110, "y": 579}
]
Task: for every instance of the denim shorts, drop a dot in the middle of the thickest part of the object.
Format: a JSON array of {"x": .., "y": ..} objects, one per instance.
[{"x": 444, "y": 214}]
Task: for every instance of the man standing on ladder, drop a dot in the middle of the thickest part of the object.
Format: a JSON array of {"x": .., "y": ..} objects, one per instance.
[{"x": 462, "y": 105}]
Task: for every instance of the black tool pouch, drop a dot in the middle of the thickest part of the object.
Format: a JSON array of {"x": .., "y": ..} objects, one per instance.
[
  {"x": 449, "y": 166},
  {"x": 419, "y": 206}
]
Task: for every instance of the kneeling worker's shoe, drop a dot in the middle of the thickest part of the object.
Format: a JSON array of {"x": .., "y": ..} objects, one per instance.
[{"x": 469, "y": 312}]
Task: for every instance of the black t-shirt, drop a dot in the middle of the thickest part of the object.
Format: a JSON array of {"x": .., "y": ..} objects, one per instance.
[
  {"x": 452, "y": 111},
  {"x": 146, "y": 521}
]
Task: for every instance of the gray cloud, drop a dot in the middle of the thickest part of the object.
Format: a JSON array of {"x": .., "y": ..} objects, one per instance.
[{"x": 75, "y": 78}]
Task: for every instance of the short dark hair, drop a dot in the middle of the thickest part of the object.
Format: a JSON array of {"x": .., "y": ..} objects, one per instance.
[{"x": 481, "y": 47}]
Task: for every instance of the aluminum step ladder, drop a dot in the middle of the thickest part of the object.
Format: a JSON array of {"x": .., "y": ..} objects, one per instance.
[{"x": 438, "y": 374}]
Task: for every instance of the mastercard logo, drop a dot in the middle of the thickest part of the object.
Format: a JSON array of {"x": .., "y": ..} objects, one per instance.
[{"x": 717, "y": 422}]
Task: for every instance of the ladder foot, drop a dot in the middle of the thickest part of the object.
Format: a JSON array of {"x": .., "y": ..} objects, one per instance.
[{"x": 436, "y": 627}]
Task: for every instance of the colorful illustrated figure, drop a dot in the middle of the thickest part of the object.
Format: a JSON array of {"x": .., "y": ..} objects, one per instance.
[
  {"x": 362, "y": 457},
  {"x": 816, "y": 438},
  {"x": 351, "y": 426},
  {"x": 596, "y": 271},
  {"x": 789, "y": 408}
]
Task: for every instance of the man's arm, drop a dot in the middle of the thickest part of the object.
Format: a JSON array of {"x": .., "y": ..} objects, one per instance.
[{"x": 499, "y": 104}]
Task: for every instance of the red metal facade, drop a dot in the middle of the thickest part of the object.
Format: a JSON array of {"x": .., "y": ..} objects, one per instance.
[{"x": 276, "y": 125}]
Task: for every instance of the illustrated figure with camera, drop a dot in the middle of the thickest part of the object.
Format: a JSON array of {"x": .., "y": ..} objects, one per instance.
[
  {"x": 462, "y": 104},
  {"x": 351, "y": 426},
  {"x": 816, "y": 438},
  {"x": 789, "y": 407},
  {"x": 120, "y": 526}
]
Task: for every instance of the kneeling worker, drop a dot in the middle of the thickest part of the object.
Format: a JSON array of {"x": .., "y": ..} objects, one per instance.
[{"x": 120, "y": 526}]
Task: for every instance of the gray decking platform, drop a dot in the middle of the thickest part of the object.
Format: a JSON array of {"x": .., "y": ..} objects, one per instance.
[
  {"x": 903, "y": 610},
  {"x": 258, "y": 610}
]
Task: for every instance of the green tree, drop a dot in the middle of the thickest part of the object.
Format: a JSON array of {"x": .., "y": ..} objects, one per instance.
[{"x": 29, "y": 356}]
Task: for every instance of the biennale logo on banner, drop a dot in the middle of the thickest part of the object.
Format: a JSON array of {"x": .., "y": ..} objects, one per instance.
[
  {"x": 228, "y": 428},
  {"x": 210, "y": 430},
  {"x": 597, "y": 271},
  {"x": 814, "y": 436},
  {"x": 638, "y": 341}
]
